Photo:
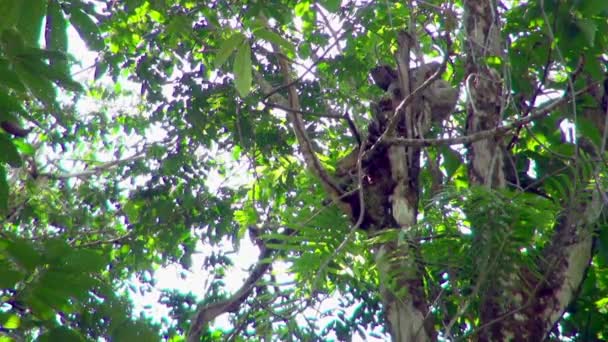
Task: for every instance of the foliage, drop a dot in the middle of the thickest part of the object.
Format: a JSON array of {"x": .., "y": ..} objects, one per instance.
[{"x": 182, "y": 151}]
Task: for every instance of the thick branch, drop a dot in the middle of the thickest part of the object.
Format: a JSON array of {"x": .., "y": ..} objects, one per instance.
[
  {"x": 402, "y": 290},
  {"x": 204, "y": 315},
  {"x": 293, "y": 111},
  {"x": 571, "y": 251},
  {"x": 480, "y": 135},
  {"x": 312, "y": 162}
]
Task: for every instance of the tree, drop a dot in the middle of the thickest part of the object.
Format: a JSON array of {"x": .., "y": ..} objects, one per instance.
[{"x": 436, "y": 167}]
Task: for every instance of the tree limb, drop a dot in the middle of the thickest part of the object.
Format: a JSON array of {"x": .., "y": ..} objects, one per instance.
[
  {"x": 94, "y": 170},
  {"x": 205, "y": 314},
  {"x": 305, "y": 145},
  {"x": 480, "y": 135}
]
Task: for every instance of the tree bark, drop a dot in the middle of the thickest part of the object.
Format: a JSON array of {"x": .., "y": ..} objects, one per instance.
[
  {"x": 402, "y": 288},
  {"x": 521, "y": 303}
]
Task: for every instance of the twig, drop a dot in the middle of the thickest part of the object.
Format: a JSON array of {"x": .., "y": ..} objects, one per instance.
[
  {"x": 356, "y": 226},
  {"x": 353, "y": 128},
  {"x": 297, "y": 111},
  {"x": 94, "y": 170},
  {"x": 289, "y": 84},
  {"x": 537, "y": 92}
]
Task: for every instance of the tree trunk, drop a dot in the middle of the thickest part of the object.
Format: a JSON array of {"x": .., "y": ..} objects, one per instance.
[
  {"x": 520, "y": 303},
  {"x": 402, "y": 288}
]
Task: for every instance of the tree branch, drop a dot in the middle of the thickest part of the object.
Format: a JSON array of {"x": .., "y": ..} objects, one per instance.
[
  {"x": 480, "y": 135},
  {"x": 207, "y": 313},
  {"x": 94, "y": 170},
  {"x": 312, "y": 162},
  {"x": 291, "y": 83},
  {"x": 287, "y": 109},
  {"x": 293, "y": 114}
]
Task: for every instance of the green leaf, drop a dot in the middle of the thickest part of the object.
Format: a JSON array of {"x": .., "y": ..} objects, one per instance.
[
  {"x": 13, "y": 322},
  {"x": 54, "y": 73},
  {"x": 9, "y": 78},
  {"x": 591, "y": 8},
  {"x": 9, "y": 277},
  {"x": 24, "y": 254},
  {"x": 10, "y": 11},
  {"x": 603, "y": 245},
  {"x": 24, "y": 147},
  {"x": 302, "y": 8},
  {"x": 227, "y": 48},
  {"x": 242, "y": 70},
  {"x": 133, "y": 331},
  {"x": 587, "y": 129},
  {"x": 12, "y": 42},
  {"x": 588, "y": 28},
  {"x": 87, "y": 29},
  {"x": 40, "y": 87},
  {"x": 8, "y": 106},
  {"x": 274, "y": 38},
  {"x": 179, "y": 26},
  {"x": 55, "y": 250},
  {"x": 3, "y": 191},
  {"x": 30, "y": 22},
  {"x": 245, "y": 217},
  {"x": 60, "y": 334},
  {"x": 84, "y": 261},
  {"x": 56, "y": 35},
  {"x": 236, "y": 153},
  {"x": 451, "y": 160},
  {"x": 9, "y": 153}
]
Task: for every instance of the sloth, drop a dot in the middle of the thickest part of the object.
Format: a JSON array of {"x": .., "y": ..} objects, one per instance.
[
  {"x": 440, "y": 95},
  {"x": 436, "y": 102}
]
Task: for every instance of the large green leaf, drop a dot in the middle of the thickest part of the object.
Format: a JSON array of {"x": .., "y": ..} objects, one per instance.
[
  {"x": 38, "y": 85},
  {"x": 9, "y": 153},
  {"x": 9, "y": 276},
  {"x": 274, "y": 38},
  {"x": 228, "y": 47},
  {"x": 24, "y": 254},
  {"x": 60, "y": 334},
  {"x": 3, "y": 191},
  {"x": 9, "y": 106},
  {"x": 54, "y": 72},
  {"x": 588, "y": 28},
  {"x": 10, "y": 11},
  {"x": 9, "y": 78},
  {"x": 331, "y": 5},
  {"x": 242, "y": 69},
  {"x": 87, "y": 28},
  {"x": 56, "y": 35},
  {"x": 12, "y": 43},
  {"x": 84, "y": 261},
  {"x": 30, "y": 22},
  {"x": 11, "y": 322},
  {"x": 452, "y": 160}
]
